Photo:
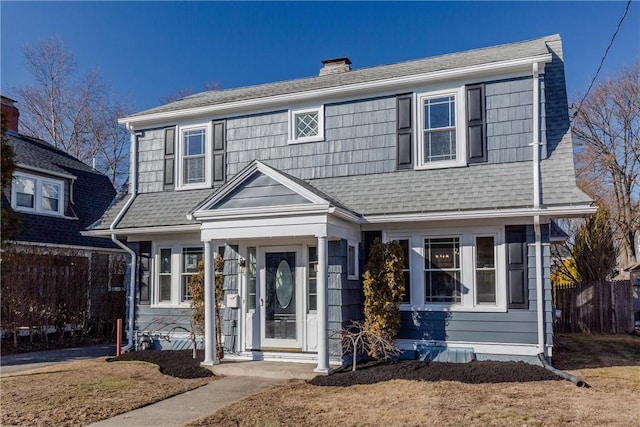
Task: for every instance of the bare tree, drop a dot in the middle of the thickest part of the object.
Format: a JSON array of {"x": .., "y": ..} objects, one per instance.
[
  {"x": 75, "y": 114},
  {"x": 183, "y": 93},
  {"x": 606, "y": 131}
]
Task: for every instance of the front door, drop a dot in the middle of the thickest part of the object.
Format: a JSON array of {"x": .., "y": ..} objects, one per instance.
[{"x": 281, "y": 299}]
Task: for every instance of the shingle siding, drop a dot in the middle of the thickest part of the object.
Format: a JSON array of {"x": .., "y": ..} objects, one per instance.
[
  {"x": 359, "y": 139},
  {"x": 151, "y": 161},
  {"x": 509, "y": 105}
]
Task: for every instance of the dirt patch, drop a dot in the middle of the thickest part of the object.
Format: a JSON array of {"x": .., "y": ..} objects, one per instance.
[
  {"x": 470, "y": 373},
  {"x": 176, "y": 363}
]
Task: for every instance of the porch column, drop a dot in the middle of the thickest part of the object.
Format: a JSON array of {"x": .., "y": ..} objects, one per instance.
[
  {"x": 209, "y": 307},
  {"x": 323, "y": 308}
]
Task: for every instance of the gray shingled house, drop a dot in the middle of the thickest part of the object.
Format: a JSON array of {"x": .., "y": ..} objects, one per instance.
[
  {"x": 464, "y": 159},
  {"x": 58, "y": 197}
]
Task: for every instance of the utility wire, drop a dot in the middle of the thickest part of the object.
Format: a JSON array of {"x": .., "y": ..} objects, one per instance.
[{"x": 602, "y": 60}]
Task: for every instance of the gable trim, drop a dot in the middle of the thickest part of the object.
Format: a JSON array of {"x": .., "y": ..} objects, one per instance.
[
  {"x": 203, "y": 211},
  {"x": 44, "y": 171}
]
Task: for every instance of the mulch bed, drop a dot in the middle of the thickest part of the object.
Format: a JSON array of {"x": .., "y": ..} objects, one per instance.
[
  {"x": 176, "y": 363},
  {"x": 476, "y": 372},
  {"x": 180, "y": 364}
]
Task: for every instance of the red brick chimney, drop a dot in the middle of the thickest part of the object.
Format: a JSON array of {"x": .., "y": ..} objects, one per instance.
[{"x": 11, "y": 113}]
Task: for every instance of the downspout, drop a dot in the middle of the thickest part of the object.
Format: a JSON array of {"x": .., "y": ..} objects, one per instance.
[
  {"x": 133, "y": 188},
  {"x": 536, "y": 207}
]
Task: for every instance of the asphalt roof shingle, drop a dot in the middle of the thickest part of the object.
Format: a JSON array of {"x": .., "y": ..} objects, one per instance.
[
  {"x": 427, "y": 65},
  {"x": 92, "y": 195}
]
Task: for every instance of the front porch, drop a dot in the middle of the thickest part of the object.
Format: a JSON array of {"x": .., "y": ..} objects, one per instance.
[{"x": 283, "y": 235}]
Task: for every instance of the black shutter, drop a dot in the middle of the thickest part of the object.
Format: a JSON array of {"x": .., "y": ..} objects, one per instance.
[
  {"x": 517, "y": 276},
  {"x": 476, "y": 124},
  {"x": 219, "y": 145},
  {"x": 169, "y": 155},
  {"x": 145, "y": 272},
  {"x": 404, "y": 140}
]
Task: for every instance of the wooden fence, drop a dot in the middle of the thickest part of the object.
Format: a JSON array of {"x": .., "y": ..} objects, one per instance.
[{"x": 604, "y": 307}]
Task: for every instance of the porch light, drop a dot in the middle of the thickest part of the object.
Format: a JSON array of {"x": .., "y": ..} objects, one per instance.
[{"x": 243, "y": 265}]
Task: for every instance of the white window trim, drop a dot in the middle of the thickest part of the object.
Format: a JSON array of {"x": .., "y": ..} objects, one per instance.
[
  {"x": 37, "y": 197},
  {"x": 461, "y": 137},
  {"x": 467, "y": 269},
  {"x": 208, "y": 153},
  {"x": 176, "y": 273},
  {"x": 292, "y": 125},
  {"x": 354, "y": 244}
]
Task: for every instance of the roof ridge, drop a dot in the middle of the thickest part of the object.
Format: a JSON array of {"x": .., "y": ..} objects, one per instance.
[{"x": 185, "y": 102}]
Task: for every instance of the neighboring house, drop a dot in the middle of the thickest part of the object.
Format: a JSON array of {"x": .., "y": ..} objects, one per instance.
[
  {"x": 464, "y": 159},
  {"x": 57, "y": 197}
]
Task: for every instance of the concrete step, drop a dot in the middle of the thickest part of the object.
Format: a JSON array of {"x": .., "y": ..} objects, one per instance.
[{"x": 265, "y": 369}]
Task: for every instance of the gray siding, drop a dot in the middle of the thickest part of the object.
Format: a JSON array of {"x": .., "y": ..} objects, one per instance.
[
  {"x": 359, "y": 139},
  {"x": 344, "y": 296},
  {"x": 509, "y": 105},
  {"x": 230, "y": 286},
  {"x": 514, "y": 326},
  {"x": 151, "y": 161},
  {"x": 260, "y": 191}
]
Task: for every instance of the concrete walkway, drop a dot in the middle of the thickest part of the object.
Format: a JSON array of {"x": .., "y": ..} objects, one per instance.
[{"x": 179, "y": 410}]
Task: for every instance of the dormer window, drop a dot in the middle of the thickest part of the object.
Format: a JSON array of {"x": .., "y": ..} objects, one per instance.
[
  {"x": 31, "y": 193},
  {"x": 306, "y": 125}
]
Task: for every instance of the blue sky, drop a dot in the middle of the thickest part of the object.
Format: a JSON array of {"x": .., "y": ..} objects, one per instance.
[{"x": 148, "y": 50}]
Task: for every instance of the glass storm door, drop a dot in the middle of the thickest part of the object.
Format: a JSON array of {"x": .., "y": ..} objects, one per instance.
[{"x": 280, "y": 312}]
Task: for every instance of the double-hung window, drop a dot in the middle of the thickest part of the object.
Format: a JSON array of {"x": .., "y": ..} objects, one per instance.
[
  {"x": 306, "y": 125},
  {"x": 439, "y": 139},
  {"x": 193, "y": 156},
  {"x": 164, "y": 277},
  {"x": 25, "y": 189},
  {"x": 191, "y": 257},
  {"x": 176, "y": 265},
  {"x": 485, "y": 270},
  {"x": 37, "y": 194},
  {"x": 442, "y": 270},
  {"x": 441, "y": 129}
]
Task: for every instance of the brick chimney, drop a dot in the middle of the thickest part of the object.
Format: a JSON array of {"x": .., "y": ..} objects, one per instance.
[
  {"x": 11, "y": 113},
  {"x": 334, "y": 66}
]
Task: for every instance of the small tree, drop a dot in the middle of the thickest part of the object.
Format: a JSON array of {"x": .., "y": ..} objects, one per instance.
[
  {"x": 196, "y": 289},
  {"x": 11, "y": 220},
  {"x": 593, "y": 250},
  {"x": 383, "y": 290},
  {"x": 218, "y": 266}
]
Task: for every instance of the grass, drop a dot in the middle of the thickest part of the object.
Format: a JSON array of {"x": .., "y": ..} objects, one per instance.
[
  {"x": 83, "y": 392},
  {"x": 610, "y": 364},
  {"x": 80, "y": 393}
]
